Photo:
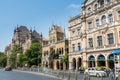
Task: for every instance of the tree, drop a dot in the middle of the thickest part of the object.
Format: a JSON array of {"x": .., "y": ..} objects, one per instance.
[
  {"x": 22, "y": 59},
  {"x": 34, "y": 54},
  {"x": 3, "y": 59},
  {"x": 17, "y": 49},
  {"x": 65, "y": 58}
]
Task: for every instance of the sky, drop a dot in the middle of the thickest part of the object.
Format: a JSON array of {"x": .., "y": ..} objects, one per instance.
[{"x": 38, "y": 14}]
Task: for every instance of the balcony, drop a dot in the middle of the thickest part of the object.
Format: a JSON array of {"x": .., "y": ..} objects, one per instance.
[{"x": 102, "y": 8}]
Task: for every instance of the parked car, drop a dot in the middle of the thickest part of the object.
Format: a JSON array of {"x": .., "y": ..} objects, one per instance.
[
  {"x": 95, "y": 72},
  {"x": 107, "y": 70},
  {"x": 8, "y": 68},
  {"x": 81, "y": 70}
]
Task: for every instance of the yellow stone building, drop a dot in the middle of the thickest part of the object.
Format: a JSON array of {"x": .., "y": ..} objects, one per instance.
[
  {"x": 54, "y": 49},
  {"x": 94, "y": 34},
  {"x": 24, "y": 37}
]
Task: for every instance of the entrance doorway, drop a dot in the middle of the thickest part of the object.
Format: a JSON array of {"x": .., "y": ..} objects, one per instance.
[
  {"x": 79, "y": 63},
  {"x": 57, "y": 64},
  {"x": 101, "y": 61},
  {"x": 91, "y": 62},
  {"x": 74, "y": 64},
  {"x": 111, "y": 61}
]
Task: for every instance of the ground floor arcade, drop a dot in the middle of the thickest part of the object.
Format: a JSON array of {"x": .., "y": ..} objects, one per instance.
[
  {"x": 91, "y": 60},
  {"x": 55, "y": 64}
]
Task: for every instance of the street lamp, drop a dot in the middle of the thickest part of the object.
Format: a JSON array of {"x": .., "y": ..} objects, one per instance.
[{"x": 38, "y": 61}]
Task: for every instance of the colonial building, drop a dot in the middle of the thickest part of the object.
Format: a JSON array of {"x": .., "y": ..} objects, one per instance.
[
  {"x": 24, "y": 37},
  {"x": 54, "y": 49},
  {"x": 94, "y": 34}
]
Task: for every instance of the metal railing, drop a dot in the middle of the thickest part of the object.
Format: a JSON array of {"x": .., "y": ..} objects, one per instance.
[{"x": 66, "y": 75}]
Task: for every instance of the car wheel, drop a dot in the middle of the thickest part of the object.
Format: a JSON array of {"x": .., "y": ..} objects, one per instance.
[{"x": 97, "y": 75}]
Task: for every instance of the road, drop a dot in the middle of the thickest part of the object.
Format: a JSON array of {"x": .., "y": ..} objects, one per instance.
[
  {"x": 19, "y": 75},
  {"x": 80, "y": 76},
  {"x": 27, "y": 75}
]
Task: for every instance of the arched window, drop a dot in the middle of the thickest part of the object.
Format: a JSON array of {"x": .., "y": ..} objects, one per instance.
[
  {"x": 97, "y": 23},
  {"x": 95, "y": 7},
  {"x": 102, "y": 2},
  {"x": 111, "y": 57},
  {"x": 110, "y": 17},
  {"x": 79, "y": 47},
  {"x": 103, "y": 19},
  {"x": 101, "y": 58},
  {"x": 89, "y": 25},
  {"x": 91, "y": 58},
  {"x": 89, "y": 10},
  {"x": 109, "y": 1},
  {"x": 119, "y": 15}
]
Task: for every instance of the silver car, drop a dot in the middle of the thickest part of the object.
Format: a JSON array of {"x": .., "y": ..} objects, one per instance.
[{"x": 95, "y": 72}]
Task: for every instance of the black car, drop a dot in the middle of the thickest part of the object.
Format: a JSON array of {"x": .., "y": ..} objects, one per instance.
[
  {"x": 8, "y": 68},
  {"x": 81, "y": 70}
]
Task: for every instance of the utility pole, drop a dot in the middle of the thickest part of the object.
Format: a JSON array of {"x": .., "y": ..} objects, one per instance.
[{"x": 38, "y": 61}]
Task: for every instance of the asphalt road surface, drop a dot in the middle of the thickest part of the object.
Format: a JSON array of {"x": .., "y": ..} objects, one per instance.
[{"x": 19, "y": 75}]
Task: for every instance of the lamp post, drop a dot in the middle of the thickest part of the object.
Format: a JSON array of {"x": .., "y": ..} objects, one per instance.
[{"x": 38, "y": 61}]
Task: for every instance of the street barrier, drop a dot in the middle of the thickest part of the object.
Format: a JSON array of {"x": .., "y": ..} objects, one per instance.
[{"x": 66, "y": 75}]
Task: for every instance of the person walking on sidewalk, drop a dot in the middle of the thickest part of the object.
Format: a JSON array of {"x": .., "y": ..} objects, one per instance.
[{"x": 112, "y": 75}]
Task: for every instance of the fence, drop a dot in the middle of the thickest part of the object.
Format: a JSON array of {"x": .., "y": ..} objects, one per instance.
[{"x": 65, "y": 75}]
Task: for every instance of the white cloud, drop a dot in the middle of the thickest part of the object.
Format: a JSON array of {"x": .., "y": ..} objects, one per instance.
[{"x": 74, "y": 6}]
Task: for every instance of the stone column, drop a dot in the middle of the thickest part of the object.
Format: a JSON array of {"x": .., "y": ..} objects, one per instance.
[
  {"x": 77, "y": 65},
  {"x": 96, "y": 63},
  {"x": 49, "y": 64},
  {"x": 70, "y": 66},
  {"x": 106, "y": 63},
  {"x": 64, "y": 66}
]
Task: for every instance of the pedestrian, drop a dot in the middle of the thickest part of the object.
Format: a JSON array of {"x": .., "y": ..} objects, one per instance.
[{"x": 112, "y": 75}]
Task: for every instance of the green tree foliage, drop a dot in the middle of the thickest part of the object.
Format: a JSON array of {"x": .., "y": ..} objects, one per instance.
[
  {"x": 65, "y": 58},
  {"x": 17, "y": 49},
  {"x": 34, "y": 54},
  {"x": 3, "y": 60},
  {"x": 22, "y": 59},
  {"x": 51, "y": 53}
]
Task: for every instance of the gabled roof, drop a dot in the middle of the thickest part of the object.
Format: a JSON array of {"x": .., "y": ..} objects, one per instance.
[
  {"x": 56, "y": 28},
  {"x": 44, "y": 39},
  {"x": 35, "y": 34},
  {"x": 23, "y": 30}
]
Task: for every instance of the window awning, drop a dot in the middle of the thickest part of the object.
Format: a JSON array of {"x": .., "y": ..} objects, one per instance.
[{"x": 117, "y": 51}]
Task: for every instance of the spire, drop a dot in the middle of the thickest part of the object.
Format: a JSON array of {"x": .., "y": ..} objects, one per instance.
[
  {"x": 49, "y": 29},
  {"x": 64, "y": 29},
  {"x": 41, "y": 35},
  {"x": 34, "y": 28},
  {"x": 15, "y": 29},
  {"x": 30, "y": 30}
]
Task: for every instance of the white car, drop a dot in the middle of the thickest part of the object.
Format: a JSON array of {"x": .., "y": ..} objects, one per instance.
[{"x": 95, "y": 72}]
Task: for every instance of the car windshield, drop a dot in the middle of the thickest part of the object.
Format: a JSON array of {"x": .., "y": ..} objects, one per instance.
[{"x": 96, "y": 69}]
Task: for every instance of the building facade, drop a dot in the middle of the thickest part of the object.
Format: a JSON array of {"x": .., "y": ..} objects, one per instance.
[
  {"x": 94, "y": 34},
  {"x": 24, "y": 37},
  {"x": 54, "y": 49}
]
